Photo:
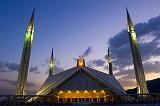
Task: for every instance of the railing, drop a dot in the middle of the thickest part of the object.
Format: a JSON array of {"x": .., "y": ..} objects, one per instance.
[{"x": 6, "y": 100}]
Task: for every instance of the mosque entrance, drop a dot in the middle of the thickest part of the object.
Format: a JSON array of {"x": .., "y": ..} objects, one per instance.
[{"x": 74, "y": 96}]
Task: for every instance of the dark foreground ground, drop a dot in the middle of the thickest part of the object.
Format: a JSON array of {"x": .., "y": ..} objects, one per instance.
[{"x": 91, "y": 105}]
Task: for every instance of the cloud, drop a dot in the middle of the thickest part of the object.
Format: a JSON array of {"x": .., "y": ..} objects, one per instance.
[
  {"x": 127, "y": 82},
  {"x": 124, "y": 72},
  {"x": 147, "y": 38},
  {"x": 150, "y": 67},
  {"x": 14, "y": 67},
  {"x": 4, "y": 90},
  {"x": 13, "y": 83},
  {"x": 34, "y": 69},
  {"x": 57, "y": 69},
  {"x": 98, "y": 62},
  {"x": 57, "y": 62},
  {"x": 8, "y": 67},
  {"x": 87, "y": 52},
  {"x": 148, "y": 34},
  {"x": 120, "y": 45}
]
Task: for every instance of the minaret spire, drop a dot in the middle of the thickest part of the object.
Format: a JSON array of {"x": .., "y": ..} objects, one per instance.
[
  {"x": 139, "y": 72},
  {"x": 130, "y": 23},
  {"x": 23, "y": 69},
  {"x": 51, "y": 66},
  {"x": 110, "y": 63}
]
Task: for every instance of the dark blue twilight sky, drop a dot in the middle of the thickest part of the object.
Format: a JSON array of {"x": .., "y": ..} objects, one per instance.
[{"x": 72, "y": 28}]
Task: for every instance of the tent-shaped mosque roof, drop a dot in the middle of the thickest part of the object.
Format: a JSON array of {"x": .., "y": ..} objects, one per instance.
[{"x": 81, "y": 78}]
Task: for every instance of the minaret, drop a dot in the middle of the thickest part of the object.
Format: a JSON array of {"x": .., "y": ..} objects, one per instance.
[
  {"x": 110, "y": 63},
  {"x": 139, "y": 72},
  {"x": 23, "y": 69},
  {"x": 51, "y": 65}
]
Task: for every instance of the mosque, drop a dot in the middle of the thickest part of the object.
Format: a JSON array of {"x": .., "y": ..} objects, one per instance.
[{"x": 81, "y": 83}]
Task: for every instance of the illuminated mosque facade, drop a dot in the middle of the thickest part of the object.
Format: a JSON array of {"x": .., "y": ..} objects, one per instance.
[{"x": 81, "y": 83}]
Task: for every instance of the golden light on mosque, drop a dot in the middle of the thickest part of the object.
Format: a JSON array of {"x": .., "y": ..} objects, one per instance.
[
  {"x": 85, "y": 91},
  {"x": 83, "y": 95},
  {"x": 102, "y": 91},
  {"x": 80, "y": 62},
  {"x": 69, "y": 91},
  {"x": 60, "y": 92},
  {"x": 77, "y": 91},
  {"x": 94, "y": 91}
]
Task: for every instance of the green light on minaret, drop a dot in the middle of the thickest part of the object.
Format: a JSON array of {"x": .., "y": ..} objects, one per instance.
[
  {"x": 51, "y": 65},
  {"x": 30, "y": 30},
  {"x": 139, "y": 72},
  {"x": 23, "y": 69}
]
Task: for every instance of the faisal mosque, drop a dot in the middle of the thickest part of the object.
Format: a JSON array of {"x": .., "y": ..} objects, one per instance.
[{"x": 81, "y": 83}]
